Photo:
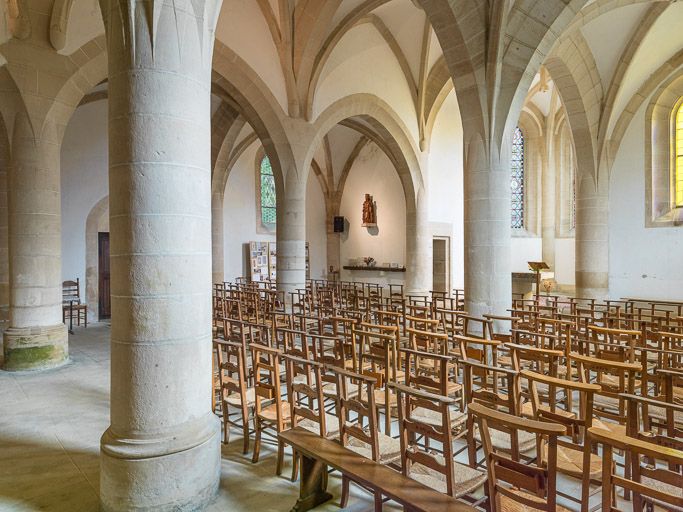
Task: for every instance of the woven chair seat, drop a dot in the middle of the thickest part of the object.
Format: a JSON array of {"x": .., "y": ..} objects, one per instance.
[
  {"x": 501, "y": 440},
  {"x": 235, "y": 399},
  {"x": 466, "y": 479},
  {"x": 331, "y": 426},
  {"x": 270, "y": 413},
  {"x": 510, "y": 505},
  {"x": 663, "y": 487},
  {"x": 389, "y": 448},
  {"x": 431, "y": 417}
]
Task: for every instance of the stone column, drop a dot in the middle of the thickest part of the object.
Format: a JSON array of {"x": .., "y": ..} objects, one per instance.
[
  {"x": 488, "y": 278},
  {"x": 592, "y": 242},
  {"x": 162, "y": 449},
  {"x": 419, "y": 257},
  {"x": 4, "y": 225},
  {"x": 217, "y": 245},
  {"x": 333, "y": 246},
  {"x": 291, "y": 235},
  {"x": 549, "y": 171},
  {"x": 36, "y": 337}
]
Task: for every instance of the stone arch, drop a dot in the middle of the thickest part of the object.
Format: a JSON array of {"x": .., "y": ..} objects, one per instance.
[
  {"x": 91, "y": 61},
  {"x": 389, "y": 132},
  {"x": 96, "y": 222},
  {"x": 581, "y": 127},
  {"x": 528, "y": 40},
  {"x": 374, "y": 119},
  {"x": 660, "y": 208},
  {"x": 234, "y": 79}
]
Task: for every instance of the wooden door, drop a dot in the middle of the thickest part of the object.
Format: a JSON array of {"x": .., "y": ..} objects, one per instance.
[{"x": 104, "y": 310}]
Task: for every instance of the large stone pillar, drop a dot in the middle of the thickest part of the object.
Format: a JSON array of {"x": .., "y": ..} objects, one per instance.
[
  {"x": 291, "y": 235},
  {"x": 548, "y": 174},
  {"x": 217, "y": 245},
  {"x": 36, "y": 337},
  {"x": 419, "y": 246},
  {"x": 162, "y": 449},
  {"x": 592, "y": 242},
  {"x": 488, "y": 278},
  {"x": 4, "y": 228}
]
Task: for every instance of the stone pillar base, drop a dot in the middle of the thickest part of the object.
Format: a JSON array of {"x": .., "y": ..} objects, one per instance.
[
  {"x": 35, "y": 348},
  {"x": 176, "y": 473}
]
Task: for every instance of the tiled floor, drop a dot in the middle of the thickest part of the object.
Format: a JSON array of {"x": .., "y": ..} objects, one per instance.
[{"x": 50, "y": 428}]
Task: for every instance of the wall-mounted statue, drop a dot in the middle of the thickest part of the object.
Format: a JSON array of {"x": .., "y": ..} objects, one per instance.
[{"x": 369, "y": 213}]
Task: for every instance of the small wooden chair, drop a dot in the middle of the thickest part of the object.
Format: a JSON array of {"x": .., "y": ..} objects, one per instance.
[
  {"x": 71, "y": 302},
  {"x": 233, "y": 386},
  {"x": 530, "y": 486},
  {"x": 438, "y": 471},
  {"x": 364, "y": 440},
  {"x": 271, "y": 412}
]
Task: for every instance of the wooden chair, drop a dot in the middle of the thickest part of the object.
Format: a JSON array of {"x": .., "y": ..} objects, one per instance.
[
  {"x": 306, "y": 402},
  {"x": 434, "y": 373},
  {"x": 530, "y": 486},
  {"x": 652, "y": 485},
  {"x": 497, "y": 388},
  {"x": 71, "y": 302},
  {"x": 575, "y": 458},
  {"x": 378, "y": 357},
  {"x": 438, "y": 471},
  {"x": 233, "y": 388},
  {"x": 271, "y": 412},
  {"x": 364, "y": 440}
]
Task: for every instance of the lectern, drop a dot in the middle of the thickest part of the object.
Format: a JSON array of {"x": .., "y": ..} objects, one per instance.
[{"x": 537, "y": 266}]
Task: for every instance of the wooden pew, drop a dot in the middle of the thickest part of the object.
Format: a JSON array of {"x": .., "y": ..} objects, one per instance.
[{"x": 317, "y": 453}]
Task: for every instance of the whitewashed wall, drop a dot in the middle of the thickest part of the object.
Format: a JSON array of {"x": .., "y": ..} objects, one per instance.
[
  {"x": 240, "y": 220},
  {"x": 373, "y": 173},
  {"x": 643, "y": 262},
  {"x": 84, "y": 181},
  {"x": 446, "y": 183}
]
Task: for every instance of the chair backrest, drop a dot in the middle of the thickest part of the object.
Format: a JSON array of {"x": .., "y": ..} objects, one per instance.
[
  {"x": 538, "y": 480},
  {"x": 641, "y": 454},
  {"x": 411, "y": 428},
  {"x": 231, "y": 369},
  {"x": 615, "y": 378},
  {"x": 428, "y": 341},
  {"x": 426, "y": 370},
  {"x": 266, "y": 367},
  {"x": 303, "y": 395},
  {"x": 655, "y": 421},
  {"x": 71, "y": 291},
  {"x": 576, "y": 421},
  {"x": 361, "y": 404}
]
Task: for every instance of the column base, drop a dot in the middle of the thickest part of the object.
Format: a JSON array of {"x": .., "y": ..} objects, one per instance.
[
  {"x": 35, "y": 348},
  {"x": 177, "y": 473}
]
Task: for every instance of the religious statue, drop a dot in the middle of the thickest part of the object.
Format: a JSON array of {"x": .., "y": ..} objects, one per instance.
[{"x": 369, "y": 214}]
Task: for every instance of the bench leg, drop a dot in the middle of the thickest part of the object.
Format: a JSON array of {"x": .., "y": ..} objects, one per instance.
[{"x": 313, "y": 484}]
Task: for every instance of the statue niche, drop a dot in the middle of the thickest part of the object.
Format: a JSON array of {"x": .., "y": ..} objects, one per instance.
[{"x": 369, "y": 212}]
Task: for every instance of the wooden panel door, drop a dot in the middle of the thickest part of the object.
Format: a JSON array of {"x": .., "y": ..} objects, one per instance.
[{"x": 104, "y": 310}]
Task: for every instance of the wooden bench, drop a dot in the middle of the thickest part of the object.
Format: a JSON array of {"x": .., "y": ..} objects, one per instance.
[{"x": 318, "y": 453}]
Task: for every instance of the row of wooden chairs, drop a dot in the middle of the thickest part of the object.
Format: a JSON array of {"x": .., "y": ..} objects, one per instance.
[{"x": 546, "y": 385}]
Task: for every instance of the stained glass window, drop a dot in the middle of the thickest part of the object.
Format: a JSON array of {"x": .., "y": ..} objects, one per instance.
[
  {"x": 678, "y": 164},
  {"x": 268, "y": 198},
  {"x": 517, "y": 180}
]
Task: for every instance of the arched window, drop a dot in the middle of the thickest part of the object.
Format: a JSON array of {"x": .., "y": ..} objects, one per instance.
[
  {"x": 517, "y": 180},
  {"x": 268, "y": 197},
  {"x": 678, "y": 156}
]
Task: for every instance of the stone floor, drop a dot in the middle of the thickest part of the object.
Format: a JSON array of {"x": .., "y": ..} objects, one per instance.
[{"x": 50, "y": 428}]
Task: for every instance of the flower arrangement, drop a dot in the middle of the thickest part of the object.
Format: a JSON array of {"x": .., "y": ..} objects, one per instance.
[{"x": 369, "y": 261}]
